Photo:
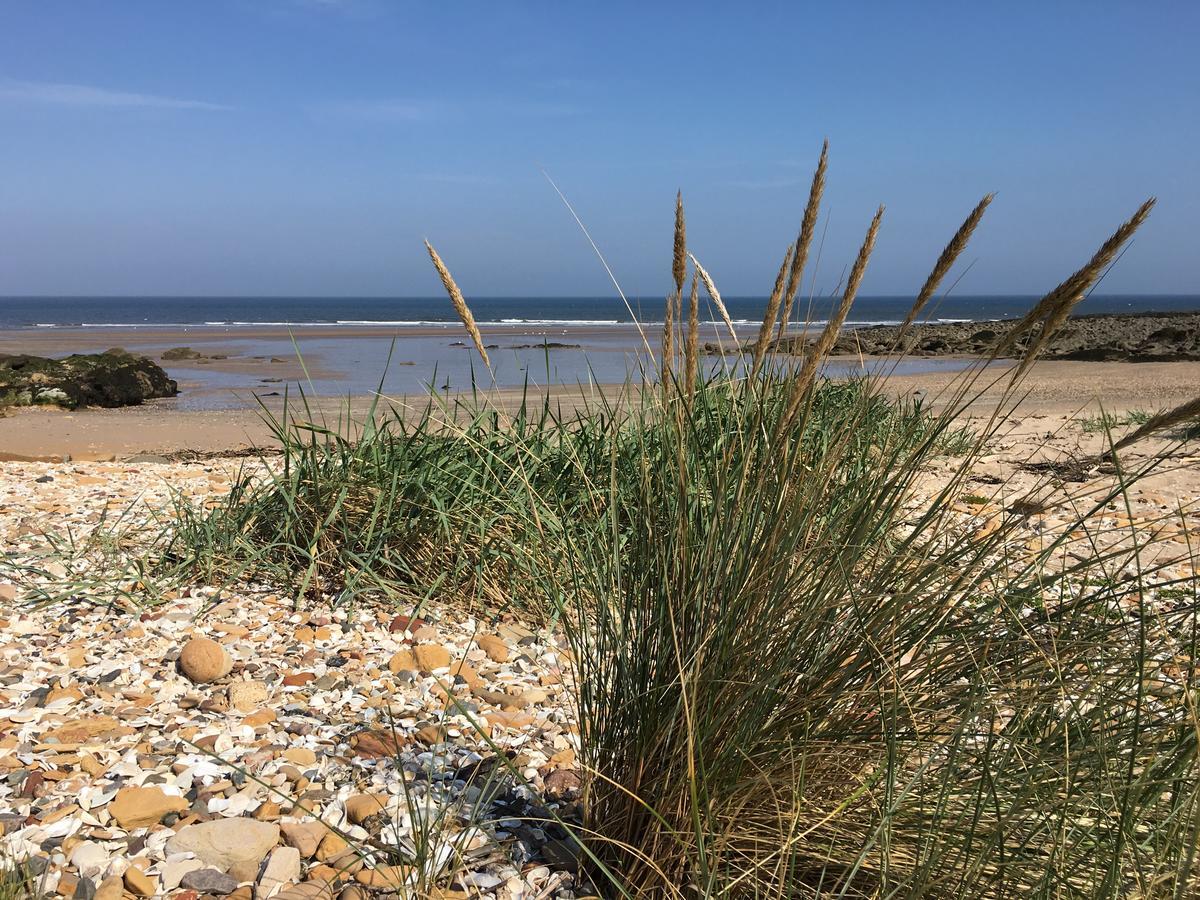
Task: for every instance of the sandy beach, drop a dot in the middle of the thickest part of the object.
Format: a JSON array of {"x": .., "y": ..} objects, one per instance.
[{"x": 1065, "y": 389}]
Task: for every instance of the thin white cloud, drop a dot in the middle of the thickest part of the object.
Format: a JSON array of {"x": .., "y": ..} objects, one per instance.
[{"x": 83, "y": 95}]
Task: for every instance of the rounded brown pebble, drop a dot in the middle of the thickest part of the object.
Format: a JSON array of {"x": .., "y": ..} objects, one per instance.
[
  {"x": 203, "y": 660},
  {"x": 139, "y": 883},
  {"x": 494, "y": 647},
  {"x": 431, "y": 656},
  {"x": 360, "y": 806},
  {"x": 393, "y": 877}
]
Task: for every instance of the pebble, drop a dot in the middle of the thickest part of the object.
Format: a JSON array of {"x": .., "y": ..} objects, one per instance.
[
  {"x": 225, "y": 842},
  {"x": 304, "y": 836},
  {"x": 139, "y": 883},
  {"x": 110, "y": 888},
  {"x": 282, "y": 868},
  {"x": 209, "y": 881},
  {"x": 246, "y": 696},
  {"x": 203, "y": 660},
  {"x": 141, "y": 807}
]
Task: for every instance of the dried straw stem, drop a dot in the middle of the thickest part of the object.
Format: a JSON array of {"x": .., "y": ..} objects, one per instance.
[
  {"x": 1072, "y": 290},
  {"x": 713, "y": 295},
  {"x": 668, "y": 337},
  {"x": 808, "y": 227},
  {"x": 459, "y": 304},
  {"x": 833, "y": 327},
  {"x": 772, "y": 311},
  {"x": 945, "y": 262},
  {"x": 1163, "y": 420},
  {"x": 691, "y": 354}
]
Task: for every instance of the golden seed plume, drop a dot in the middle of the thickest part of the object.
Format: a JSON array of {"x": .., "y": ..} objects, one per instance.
[
  {"x": 459, "y": 303},
  {"x": 692, "y": 350},
  {"x": 945, "y": 262},
  {"x": 833, "y": 327},
  {"x": 772, "y": 311},
  {"x": 808, "y": 227},
  {"x": 715, "y": 296},
  {"x": 679, "y": 259},
  {"x": 1073, "y": 289}
]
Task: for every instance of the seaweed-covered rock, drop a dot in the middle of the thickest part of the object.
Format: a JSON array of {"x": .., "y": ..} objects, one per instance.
[
  {"x": 1131, "y": 337},
  {"x": 112, "y": 378},
  {"x": 176, "y": 353}
]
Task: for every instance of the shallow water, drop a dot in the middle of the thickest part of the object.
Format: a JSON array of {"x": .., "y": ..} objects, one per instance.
[{"x": 413, "y": 366}]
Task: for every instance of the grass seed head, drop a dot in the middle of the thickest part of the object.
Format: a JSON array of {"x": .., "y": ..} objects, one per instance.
[{"x": 459, "y": 303}]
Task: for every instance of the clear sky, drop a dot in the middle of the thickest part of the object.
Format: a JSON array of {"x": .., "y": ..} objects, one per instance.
[{"x": 307, "y": 146}]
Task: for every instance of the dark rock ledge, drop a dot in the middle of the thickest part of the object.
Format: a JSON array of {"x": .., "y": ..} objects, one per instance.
[{"x": 112, "y": 378}]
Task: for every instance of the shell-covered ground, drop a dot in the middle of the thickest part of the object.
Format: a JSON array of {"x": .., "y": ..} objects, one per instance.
[{"x": 322, "y": 751}]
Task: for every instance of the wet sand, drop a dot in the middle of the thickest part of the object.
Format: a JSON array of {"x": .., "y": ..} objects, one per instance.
[{"x": 1054, "y": 388}]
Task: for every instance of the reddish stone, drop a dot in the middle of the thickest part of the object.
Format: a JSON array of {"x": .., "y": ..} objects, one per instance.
[
  {"x": 31, "y": 784},
  {"x": 406, "y": 623},
  {"x": 298, "y": 679},
  {"x": 563, "y": 783},
  {"x": 375, "y": 744}
]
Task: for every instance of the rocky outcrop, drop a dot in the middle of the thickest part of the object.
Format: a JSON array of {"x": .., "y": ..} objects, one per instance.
[
  {"x": 1141, "y": 337},
  {"x": 178, "y": 353},
  {"x": 111, "y": 378}
]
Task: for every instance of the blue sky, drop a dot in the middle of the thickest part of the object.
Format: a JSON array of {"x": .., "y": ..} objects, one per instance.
[{"x": 307, "y": 146}]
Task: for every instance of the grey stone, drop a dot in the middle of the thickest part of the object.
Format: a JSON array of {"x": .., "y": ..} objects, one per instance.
[{"x": 209, "y": 881}]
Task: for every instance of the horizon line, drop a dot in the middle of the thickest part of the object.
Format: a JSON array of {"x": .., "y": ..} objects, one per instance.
[{"x": 403, "y": 297}]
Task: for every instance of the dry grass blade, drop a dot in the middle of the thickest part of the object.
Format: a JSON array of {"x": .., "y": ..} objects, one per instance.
[
  {"x": 459, "y": 303},
  {"x": 1172, "y": 417},
  {"x": 772, "y": 312},
  {"x": 833, "y": 327},
  {"x": 668, "y": 337},
  {"x": 692, "y": 350},
  {"x": 945, "y": 262},
  {"x": 808, "y": 227},
  {"x": 715, "y": 296},
  {"x": 1072, "y": 290}
]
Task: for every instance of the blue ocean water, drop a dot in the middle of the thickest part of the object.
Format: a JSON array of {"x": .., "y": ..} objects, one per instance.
[
  {"x": 412, "y": 346},
  {"x": 401, "y": 312}
]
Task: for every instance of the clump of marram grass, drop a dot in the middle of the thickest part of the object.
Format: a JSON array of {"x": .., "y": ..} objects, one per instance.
[
  {"x": 797, "y": 679},
  {"x": 796, "y": 674}
]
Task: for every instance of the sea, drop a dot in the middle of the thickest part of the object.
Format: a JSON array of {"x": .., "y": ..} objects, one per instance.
[
  {"x": 551, "y": 312},
  {"x": 358, "y": 346}
]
